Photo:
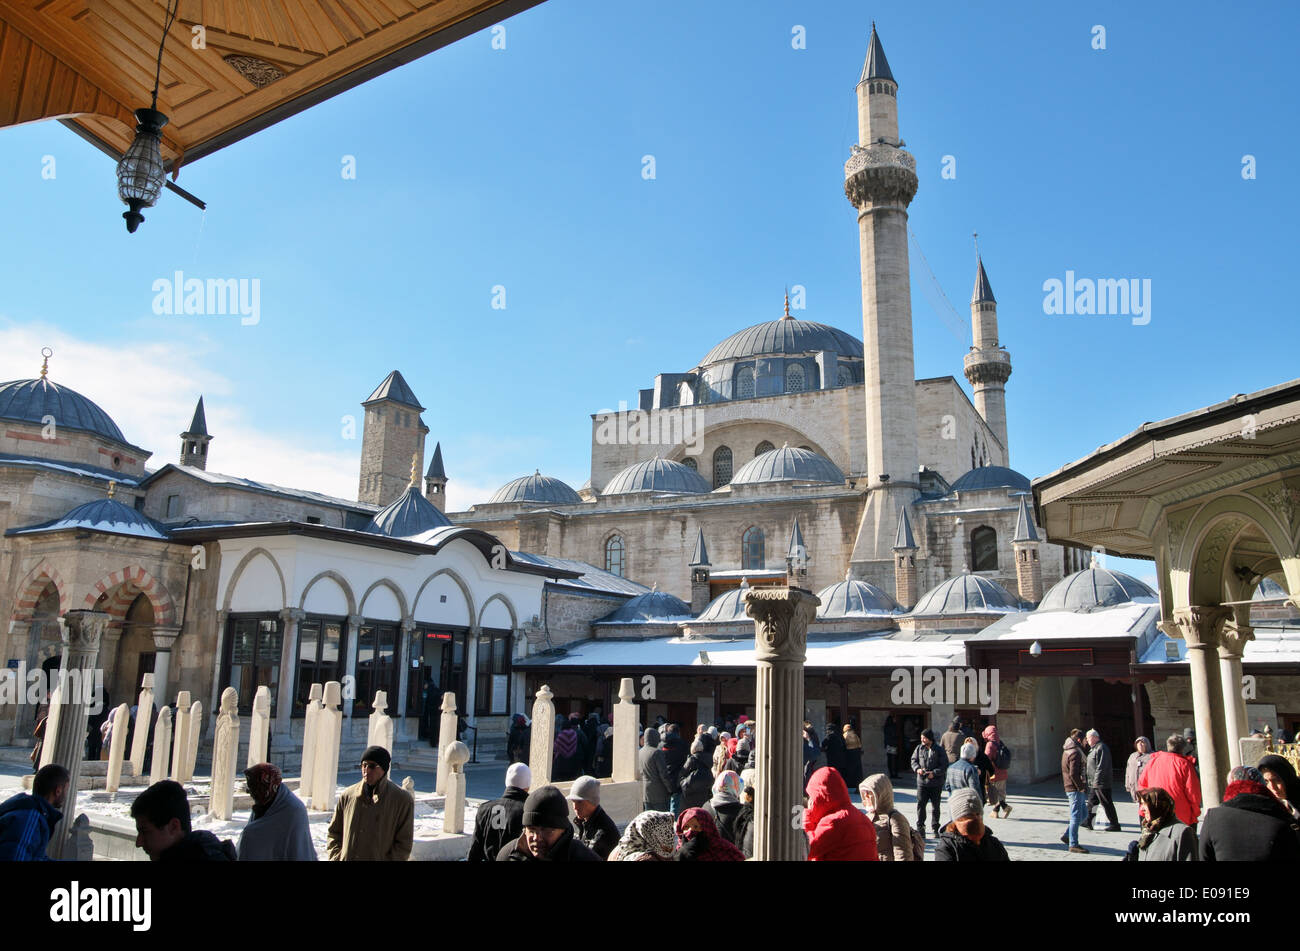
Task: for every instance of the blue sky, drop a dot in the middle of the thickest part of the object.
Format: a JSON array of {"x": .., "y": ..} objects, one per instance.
[{"x": 522, "y": 167}]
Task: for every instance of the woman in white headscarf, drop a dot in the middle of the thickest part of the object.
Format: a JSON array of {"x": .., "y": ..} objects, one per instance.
[{"x": 649, "y": 837}]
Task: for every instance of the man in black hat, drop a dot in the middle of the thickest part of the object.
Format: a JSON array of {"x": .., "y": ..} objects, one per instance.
[
  {"x": 548, "y": 834},
  {"x": 374, "y": 820}
]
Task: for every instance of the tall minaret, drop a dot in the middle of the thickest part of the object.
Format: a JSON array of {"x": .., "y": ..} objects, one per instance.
[
  {"x": 880, "y": 181},
  {"x": 988, "y": 364}
]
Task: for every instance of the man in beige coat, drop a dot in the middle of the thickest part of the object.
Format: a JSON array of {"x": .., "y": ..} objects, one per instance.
[{"x": 374, "y": 820}]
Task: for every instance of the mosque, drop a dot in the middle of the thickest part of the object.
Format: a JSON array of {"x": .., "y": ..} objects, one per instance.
[{"x": 793, "y": 452}]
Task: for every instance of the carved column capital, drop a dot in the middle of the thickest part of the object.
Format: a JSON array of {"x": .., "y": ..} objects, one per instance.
[
  {"x": 356, "y": 620},
  {"x": 1233, "y": 639},
  {"x": 292, "y": 615},
  {"x": 1200, "y": 624},
  {"x": 781, "y": 617},
  {"x": 409, "y": 624},
  {"x": 165, "y": 637},
  {"x": 83, "y": 630}
]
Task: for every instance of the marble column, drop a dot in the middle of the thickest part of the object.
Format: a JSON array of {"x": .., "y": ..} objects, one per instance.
[
  {"x": 163, "y": 640},
  {"x": 403, "y": 680},
  {"x": 290, "y": 617},
  {"x": 1200, "y": 627},
  {"x": 1232, "y": 643},
  {"x": 781, "y": 617},
  {"x": 541, "y": 751},
  {"x": 350, "y": 666},
  {"x": 82, "y": 631}
]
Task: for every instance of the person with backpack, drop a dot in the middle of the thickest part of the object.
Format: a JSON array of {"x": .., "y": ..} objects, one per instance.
[
  {"x": 999, "y": 755},
  {"x": 896, "y": 840},
  {"x": 696, "y": 782}
]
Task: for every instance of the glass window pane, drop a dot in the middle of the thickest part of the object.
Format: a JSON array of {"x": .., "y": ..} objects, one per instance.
[
  {"x": 499, "y": 654},
  {"x": 308, "y": 641},
  {"x": 329, "y": 652}
]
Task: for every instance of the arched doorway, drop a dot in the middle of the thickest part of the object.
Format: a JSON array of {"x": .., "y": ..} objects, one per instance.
[{"x": 135, "y": 651}]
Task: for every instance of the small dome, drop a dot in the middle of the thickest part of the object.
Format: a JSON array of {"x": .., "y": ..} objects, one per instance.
[
  {"x": 991, "y": 477},
  {"x": 651, "y": 606},
  {"x": 1095, "y": 588},
  {"x": 657, "y": 475},
  {"x": 102, "y": 515},
  {"x": 788, "y": 465},
  {"x": 966, "y": 594},
  {"x": 410, "y": 514},
  {"x": 30, "y": 401},
  {"x": 852, "y": 598},
  {"x": 728, "y": 606},
  {"x": 784, "y": 336},
  {"x": 536, "y": 488}
]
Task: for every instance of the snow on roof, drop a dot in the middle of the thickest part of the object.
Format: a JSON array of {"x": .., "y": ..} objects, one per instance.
[
  {"x": 1272, "y": 645},
  {"x": 1127, "y": 620},
  {"x": 856, "y": 651},
  {"x": 92, "y": 472}
]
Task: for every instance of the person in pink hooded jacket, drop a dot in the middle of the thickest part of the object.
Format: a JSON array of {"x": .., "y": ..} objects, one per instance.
[{"x": 998, "y": 783}]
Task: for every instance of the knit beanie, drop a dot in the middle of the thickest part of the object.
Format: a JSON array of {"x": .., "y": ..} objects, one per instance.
[
  {"x": 519, "y": 776},
  {"x": 546, "y": 808},
  {"x": 963, "y": 804},
  {"x": 379, "y": 756}
]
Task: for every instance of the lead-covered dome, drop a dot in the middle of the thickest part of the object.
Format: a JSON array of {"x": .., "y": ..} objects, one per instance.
[
  {"x": 651, "y": 606},
  {"x": 785, "y": 336},
  {"x": 851, "y": 598},
  {"x": 991, "y": 477},
  {"x": 101, "y": 515},
  {"x": 1094, "y": 588},
  {"x": 728, "y": 606},
  {"x": 408, "y": 515},
  {"x": 535, "y": 488},
  {"x": 657, "y": 475},
  {"x": 31, "y": 401},
  {"x": 966, "y": 594},
  {"x": 788, "y": 465}
]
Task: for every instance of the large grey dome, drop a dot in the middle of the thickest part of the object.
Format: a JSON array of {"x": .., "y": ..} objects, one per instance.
[
  {"x": 30, "y": 401},
  {"x": 1095, "y": 588},
  {"x": 657, "y": 475},
  {"x": 408, "y": 515},
  {"x": 102, "y": 515},
  {"x": 651, "y": 606},
  {"x": 728, "y": 606},
  {"x": 991, "y": 477},
  {"x": 852, "y": 598},
  {"x": 788, "y": 465},
  {"x": 785, "y": 336},
  {"x": 535, "y": 488},
  {"x": 966, "y": 594}
]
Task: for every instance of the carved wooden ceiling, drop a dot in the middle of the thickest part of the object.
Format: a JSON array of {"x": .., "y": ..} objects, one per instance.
[{"x": 91, "y": 62}]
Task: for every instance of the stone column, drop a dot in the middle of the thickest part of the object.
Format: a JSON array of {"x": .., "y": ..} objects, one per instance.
[
  {"x": 1200, "y": 626},
  {"x": 355, "y": 621},
  {"x": 259, "y": 725},
  {"x": 162, "y": 744},
  {"x": 456, "y": 754},
  {"x": 311, "y": 720},
  {"x": 180, "y": 735},
  {"x": 108, "y": 653},
  {"x": 117, "y": 747},
  {"x": 781, "y": 617},
  {"x": 82, "y": 631},
  {"x": 625, "y": 733},
  {"x": 446, "y": 735},
  {"x": 225, "y": 755},
  {"x": 288, "y": 671},
  {"x": 541, "y": 750},
  {"x": 143, "y": 719},
  {"x": 163, "y": 639},
  {"x": 403, "y": 678},
  {"x": 329, "y": 733},
  {"x": 1232, "y": 643}
]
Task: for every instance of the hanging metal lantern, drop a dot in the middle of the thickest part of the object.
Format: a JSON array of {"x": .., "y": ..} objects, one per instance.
[{"x": 140, "y": 173}]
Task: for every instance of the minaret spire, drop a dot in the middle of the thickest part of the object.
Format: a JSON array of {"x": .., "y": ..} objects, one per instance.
[
  {"x": 988, "y": 365},
  {"x": 194, "y": 441}
]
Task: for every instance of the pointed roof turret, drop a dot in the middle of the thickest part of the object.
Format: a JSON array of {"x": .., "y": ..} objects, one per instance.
[
  {"x": 983, "y": 290},
  {"x": 1025, "y": 530},
  {"x": 435, "y": 467},
  {"x": 701, "y": 556},
  {"x": 904, "y": 539},
  {"x": 394, "y": 388},
  {"x": 199, "y": 424},
  {"x": 797, "y": 549},
  {"x": 876, "y": 66}
]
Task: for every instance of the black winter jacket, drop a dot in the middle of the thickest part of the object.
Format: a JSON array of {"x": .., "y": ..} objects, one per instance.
[
  {"x": 497, "y": 823},
  {"x": 676, "y": 752},
  {"x": 952, "y": 846},
  {"x": 567, "y": 849},
  {"x": 696, "y": 781},
  {"x": 726, "y": 815},
  {"x": 200, "y": 846},
  {"x": 599, "y": 833},
  {"x": 1249, "y": 828},
  {"x": 934, "y": 758}
]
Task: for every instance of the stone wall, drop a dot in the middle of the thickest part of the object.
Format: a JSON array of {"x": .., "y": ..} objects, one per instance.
[
  {"x": 217, "y": 502},
  {"x": 29, "y": 439}
]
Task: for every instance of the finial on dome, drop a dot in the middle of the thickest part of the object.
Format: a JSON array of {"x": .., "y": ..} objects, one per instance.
[
  {"x": 744, "y": 582},
  {"x": 654, "y": 588},
  {"x": 787, "y": 305},
  {"x": 46, "y": 352},
  {"x": 1094, "y": 563},
  {"x": 848, "y": 574},
  {"x": 415, "y": 468},
  {"x": 785, "y": 445},
  {"x": 537, "y": 472},
  {"x": 112, "y": 487}
]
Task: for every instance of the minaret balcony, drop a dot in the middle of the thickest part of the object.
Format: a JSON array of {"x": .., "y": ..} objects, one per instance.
[
  {"x": 987, "y": 366},
  {"x": 879, "y": 175},
  {"x": 877, "y": 156}
]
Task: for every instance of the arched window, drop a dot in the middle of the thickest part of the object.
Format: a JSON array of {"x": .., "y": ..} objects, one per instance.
[
  {"x": 751, "y": 550},
  {"x": 745, "y": 383},
  {"x": 844, "y": 377},
  {"x": 614, "y": 563},
  {"x": 984, "y": 549},
  {"x": 721, "y": 466},
  {"x": 690, "y": 463},
  {"x": 794, "y": 378},
  {"x": 763, "y": 447}
]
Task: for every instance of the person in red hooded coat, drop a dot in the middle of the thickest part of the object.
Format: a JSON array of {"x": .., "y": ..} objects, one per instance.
[{"x": 837, "y": 830}]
